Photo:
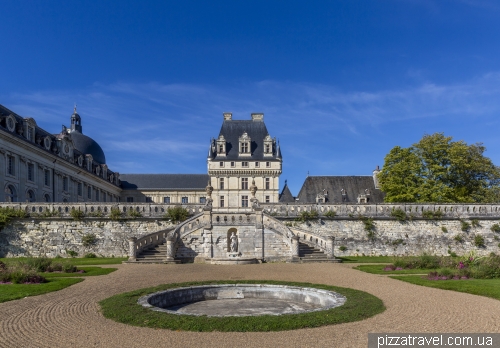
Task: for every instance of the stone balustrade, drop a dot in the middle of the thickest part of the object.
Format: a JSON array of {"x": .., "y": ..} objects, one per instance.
[
  {"x": 313, "y": 239},
  {"x": 136, "y": 245},
  {"x": 233, "y": 218},
  {"x": 63, "y": 210},
  {"x": 348, "y": 211}
]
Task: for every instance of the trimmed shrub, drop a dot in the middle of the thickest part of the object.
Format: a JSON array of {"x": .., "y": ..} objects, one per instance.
[
  {"x": 177, "y": 214},
  {"x": 90, "y": 256}
]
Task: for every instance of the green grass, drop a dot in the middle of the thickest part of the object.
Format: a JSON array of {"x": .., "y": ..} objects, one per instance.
[
  {"x": 124, "y": 309},
  {"x": 367, "y": 259},
  {"x": 377, "y": 269},
  {"x": 89, "y": 271},
  {"x": 77, "y": 261},
  {"x": 9, "y": 292},
  {"x": 482, "y": 287}
]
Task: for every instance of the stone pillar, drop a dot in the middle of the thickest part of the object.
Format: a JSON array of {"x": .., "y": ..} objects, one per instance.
[
  {"x": 295, "y": 246},
  {"x": 170, "y": 248},
  {"x": 132, "y": 250},
  {"x": 329, "y": 247}
]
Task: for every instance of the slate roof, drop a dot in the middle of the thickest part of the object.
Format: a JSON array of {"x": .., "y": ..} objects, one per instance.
[
  {"x": 164, "y": 181},
  {"x": 285, "y": 195},
  {"x": 87, "y": 145},
  {"x": 232, "y": 130},
  {"x": 353, "y": 185}
]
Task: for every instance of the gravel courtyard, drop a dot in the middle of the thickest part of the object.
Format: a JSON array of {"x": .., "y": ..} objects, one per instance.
[{"x": 71, "y": 317}]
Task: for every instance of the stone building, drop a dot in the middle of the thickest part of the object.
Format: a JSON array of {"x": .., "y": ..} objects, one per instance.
[
  {"x": 244, "y": 154},
  {"x": 37, "y": 166}
]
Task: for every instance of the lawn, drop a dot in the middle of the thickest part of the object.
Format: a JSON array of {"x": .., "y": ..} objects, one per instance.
[
  {"x": 125, "y": 309},
  {"x": 9, "y": 292},
  {"x": 89, "y": 271},
  {"x": 482, "y": 287},
  {"x": 77, "y": 261},
  {"x": 367, "y": 259},
  {"x": 379, "y": 269}
]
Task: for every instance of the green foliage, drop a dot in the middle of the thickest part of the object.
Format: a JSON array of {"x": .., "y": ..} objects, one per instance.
[
  {"x": 134, "y": 214},
  {"x": 177, "y": 214},
  {"x": 432, "y": 215},
  {"x": 77, "y": 214},
  {"x": 398, "y": 242},
  {"x": 125, "y": 309},
  {"x": 115, "y": 214},
  {"x": 330, "y": 214},
  {"x": 464, "y": 225},
  {"x": 479, "y": 241},
  {"x": 90, "y": 256},
  {"x": 437, "y": 169},
  {"x": 369, "y": 226},
  {"x": 96, "y": 214},
  {"x": 399, "y": 214},
  {"x": 342, "y": 248},
  {"x": 459, "y": 238},
  {"x": 475, "y": 223},
  {"x": 7, "y": 214},
  {"x": 495, "y": 228},
  {"x": 444, "y": 229},
  {"x": 89, "y": 240},
  {"x": 72, "y": 253},
  {"x": 307, "y": 216}
]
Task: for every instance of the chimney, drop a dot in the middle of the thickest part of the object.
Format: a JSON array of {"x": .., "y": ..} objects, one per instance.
[
  {"x": 375, "y": 179},
  {"x": 228, "y": 116},
  {"x": 257, "y": 116}
]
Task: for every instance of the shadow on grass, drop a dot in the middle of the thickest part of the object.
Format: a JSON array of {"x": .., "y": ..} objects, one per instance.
[{"x": 9, "y": 292}]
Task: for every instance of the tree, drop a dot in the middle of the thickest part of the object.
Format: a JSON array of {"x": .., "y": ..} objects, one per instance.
[{"x": 437, "y": 169}]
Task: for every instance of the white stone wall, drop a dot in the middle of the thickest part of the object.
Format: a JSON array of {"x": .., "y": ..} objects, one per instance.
[{"x": 396, "y": 238}]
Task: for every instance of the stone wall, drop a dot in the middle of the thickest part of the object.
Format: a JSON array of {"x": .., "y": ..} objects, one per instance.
[
  {"x": 392, "y": 237},
  {"x": 55, "y": 236}
]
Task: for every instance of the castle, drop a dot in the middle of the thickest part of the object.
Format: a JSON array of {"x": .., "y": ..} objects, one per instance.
[{"x": 71, "y": 167}]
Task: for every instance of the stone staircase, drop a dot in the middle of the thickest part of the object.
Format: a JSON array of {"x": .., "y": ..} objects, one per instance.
[
  {"x": 153, "y": 255},
  {"x": 308, "y": 254}
]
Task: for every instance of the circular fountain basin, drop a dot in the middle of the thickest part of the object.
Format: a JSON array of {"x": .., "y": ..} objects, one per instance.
[{"x": 224, "y": 300}]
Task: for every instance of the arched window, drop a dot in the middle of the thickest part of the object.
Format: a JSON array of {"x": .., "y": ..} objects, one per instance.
[
  {"x": 10, "y": 194},
  {"x": 47, "y": 198},
  {"x": 30, "y": 196}
]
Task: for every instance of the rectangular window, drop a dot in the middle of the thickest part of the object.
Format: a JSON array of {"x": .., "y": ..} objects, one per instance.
[
  {"x": 244, "y": 164},
  {"x": 244, "y": 183},
  {"x": 203, "y": 200},
  {"x": 184, "y": 200},
  {"x": 244, "y": 147},
  {"x": 166, "y": 200},
  {"x": 267, "y": 183},
  {"x": 30, "y": 134},
  {"x": 97, "y": 195},
  {"x": 65, "y": 183},
  {"x": 221, "y": 201},
  {"x": 31, "y": 172},
  {"x": 268, "y": 199},
  {"x": 244, "y": 201},
  {"x": 104, "y": 197},
  {"x": 221, "y": 184},
  {"x": 149, "y": 200},
  {"x": 11, "y": 165},
  {"x": 80, "y": 189},
  {"x": 268, "y": 148},
  {"x": 221, "y": 164},
  {"x": 130, "y": 199},
  {"x": 89, "y": 192},
  {"x": 232, "y": 164},
  {"x": 268, "y": 164},
  {"x": 257, "y": 164},
  {"x": 47, "y": 177}
]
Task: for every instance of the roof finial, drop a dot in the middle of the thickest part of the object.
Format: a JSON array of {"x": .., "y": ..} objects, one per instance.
[{"x": 74, "y": 110}]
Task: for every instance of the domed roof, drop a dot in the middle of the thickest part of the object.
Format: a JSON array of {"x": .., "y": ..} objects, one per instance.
[{"x": 87, "y": 145}]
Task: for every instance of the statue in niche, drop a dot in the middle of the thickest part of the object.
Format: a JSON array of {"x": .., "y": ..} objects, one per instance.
[{"x": 234, "y": 243}]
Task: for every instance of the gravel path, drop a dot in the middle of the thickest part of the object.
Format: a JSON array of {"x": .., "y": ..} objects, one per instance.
[{"x": 71, "y": 318}]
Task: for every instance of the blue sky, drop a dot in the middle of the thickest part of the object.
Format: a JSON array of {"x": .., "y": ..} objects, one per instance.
[{"x": 340, "y": 82}]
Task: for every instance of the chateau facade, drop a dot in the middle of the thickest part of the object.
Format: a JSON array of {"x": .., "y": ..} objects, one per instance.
[{"x": 71, "y": 167}]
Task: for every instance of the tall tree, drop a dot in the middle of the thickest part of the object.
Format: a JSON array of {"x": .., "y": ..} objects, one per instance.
[{"x": 437, "y": 169}]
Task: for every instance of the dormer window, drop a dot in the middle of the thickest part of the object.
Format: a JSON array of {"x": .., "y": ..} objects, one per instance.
[
  {"x": 29, "y": 131},
  {"x": 268, "y": 146},
  {"x": 245, "y": 142},
  {"x": 221, "y": 146}
]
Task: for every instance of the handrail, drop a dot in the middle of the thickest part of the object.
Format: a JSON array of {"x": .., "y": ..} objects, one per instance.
[
  {"x": 311, "y": 239},
  {"x": 278, "y": 226}
]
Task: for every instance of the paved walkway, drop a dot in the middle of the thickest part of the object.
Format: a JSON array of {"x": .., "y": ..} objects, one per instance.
[{"x": 71, "y": 318}]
